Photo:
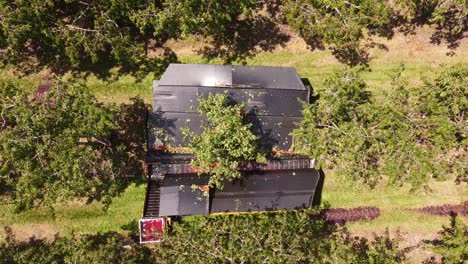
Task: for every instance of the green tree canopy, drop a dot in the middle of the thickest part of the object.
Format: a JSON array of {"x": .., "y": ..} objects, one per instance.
[
  {"x": 452, "y": 242},
  {"x": 57, "y": 145},
  {"x": 72, "y": 34},
  {"x": 340, "y": 25},
  {"x": 414, "y": 134},
  {"x": 450, "y": 18},
  {"x": 132, "y": 35},
  {"x": 226, "y": 143},
  {"x": 286, "y": 237}
]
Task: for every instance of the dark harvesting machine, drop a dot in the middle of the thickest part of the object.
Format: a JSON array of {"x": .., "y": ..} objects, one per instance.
[{"x": 271, "y": 96}]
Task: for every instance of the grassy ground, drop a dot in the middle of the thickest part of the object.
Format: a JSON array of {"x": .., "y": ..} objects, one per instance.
[
  {"x": 77, "y": 217},
  {"x": 420, "y": 58},
  {"x": 393, "y": 202}
]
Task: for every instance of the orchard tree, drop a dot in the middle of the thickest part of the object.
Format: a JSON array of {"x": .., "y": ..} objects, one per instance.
[
  {"x": 285, "y": 237},
  {"x": 106, "y": 247},
  {"x": 78, "y": 34},
  {"x": 414, "y": 134},
  {"x": 99, "y": 35},
  {"x": 339, "y": 25},
  {"x": 57, "y": 146},
  {"x": 451, "y": 244},
  {"x": 443, "y": 102},
  {"x": 132, "y": 35},
  {"x": 450, "y": 18},
  {"x": 232, "y": 30},
  {"x": 338, "y": 128},
  {"x": 226, "y": 143}
]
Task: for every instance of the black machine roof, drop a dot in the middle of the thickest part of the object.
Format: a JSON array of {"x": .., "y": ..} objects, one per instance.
[
  {"x": 258, "y": 191},
  {"x": 205, "y": 75},
  {"x": 271, "y": 98}
]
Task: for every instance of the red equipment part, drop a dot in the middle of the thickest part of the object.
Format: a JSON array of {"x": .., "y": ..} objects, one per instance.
[{"x": 151, "y": 230}]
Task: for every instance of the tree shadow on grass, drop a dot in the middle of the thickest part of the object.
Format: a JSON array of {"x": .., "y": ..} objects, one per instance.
[
  {"x": 452, "y": 29},
  {"x": 451, "y": 25},
  {"x": 128, "y": 147},
  {"x": 138, "y": 68},
  {"x": 106, "y": 70},
  {"x": 244, "y": 38},
  {"x": 129, "y": 141}
]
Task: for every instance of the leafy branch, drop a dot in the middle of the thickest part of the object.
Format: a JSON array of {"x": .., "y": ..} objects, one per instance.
[
  {"x": 226, "y": 143},
  {"x": 417, "y": 133}
]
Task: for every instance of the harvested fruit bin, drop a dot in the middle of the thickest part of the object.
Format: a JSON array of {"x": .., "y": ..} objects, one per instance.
[{"x": 271, "y": 98}]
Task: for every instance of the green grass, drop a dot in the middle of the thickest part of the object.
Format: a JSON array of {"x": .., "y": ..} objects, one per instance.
[
  {"x": 76, "y": 216},
  {"x": 116, "y": 89},
  {"x": 393, "y": 202},
  {"x": 121, "y": 89}
]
